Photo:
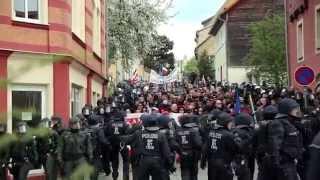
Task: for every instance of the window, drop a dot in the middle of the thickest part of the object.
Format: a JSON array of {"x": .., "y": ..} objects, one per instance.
[
  {"x": 33, "y": 11},
  {"x": 317, "y": 31},
  {"x": 78, "y": 18},
  {"x": 96, "y": 27},
  {"x": 27, "y": 103},
  {"x": 95, "y": 98},
  {"x": 76, "y": 100},
  {"x": 300, "y": 41}
]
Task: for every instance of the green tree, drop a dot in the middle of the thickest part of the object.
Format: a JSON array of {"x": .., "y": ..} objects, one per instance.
[
  {"x": 205, "y": 65},
  {"x": 267, "y": 54},
  {"x": 191, "y": 67},
  {"x": 160, "y": 54},
  {"x": 131, "y": 25}
]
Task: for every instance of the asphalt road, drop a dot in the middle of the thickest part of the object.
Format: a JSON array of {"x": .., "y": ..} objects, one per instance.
[{"x": 176, "y": 176}]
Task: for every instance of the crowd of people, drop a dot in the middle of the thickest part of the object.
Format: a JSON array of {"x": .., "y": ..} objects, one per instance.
[{"x": 229, "y": 129}]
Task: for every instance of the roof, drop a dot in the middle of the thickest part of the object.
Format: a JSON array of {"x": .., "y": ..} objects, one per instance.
[
  {"x": 206, "y": 21},
  {"x": 229, "y": 4}
]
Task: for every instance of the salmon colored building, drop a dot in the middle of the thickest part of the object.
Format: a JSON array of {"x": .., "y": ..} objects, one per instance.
[
  {"x": 303, "y": 36},
  {"x": 52, "y": 58}
]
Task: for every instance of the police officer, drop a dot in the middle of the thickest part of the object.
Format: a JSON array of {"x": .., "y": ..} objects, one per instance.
[
  {"x": 220, "y": 149},
  {"x": 286, "y": 145},
  {"x": 153, "y": 149},
  {"x": 43, "y": 142},
  {"x": 6, "y": 141},
  {"x": 53, "y": 165},
  {"x": 260, "y": 144},
  {"x": 313, "y": 165},
  {"x": 23, "y": 154},
  {"x": 100, "y": 112},
  {"x": 74, "y": 148},
  {"x": 166, "y": 128},
  {"x": 243, "y": 134},
  {"x": 116, "y": 128},
  {"x": 86, "y": 112},
  {"x": 190, "y": 142},
  {"x": 98, "y": 141}
]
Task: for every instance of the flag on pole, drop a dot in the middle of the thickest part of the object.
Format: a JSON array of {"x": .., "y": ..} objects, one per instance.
[
  {"x": 237, "y": 104},
  {"x": 164, "y": 71},
  {"x": 135, "y": 77}
]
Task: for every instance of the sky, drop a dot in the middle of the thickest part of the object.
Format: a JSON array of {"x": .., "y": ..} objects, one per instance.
[{"x": 182, "y": 27}]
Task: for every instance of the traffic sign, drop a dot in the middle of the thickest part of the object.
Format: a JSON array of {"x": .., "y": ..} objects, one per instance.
[{"x": 304, "y": 76}]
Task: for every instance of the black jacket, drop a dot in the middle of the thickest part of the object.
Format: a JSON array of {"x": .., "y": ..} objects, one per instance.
[
  {"x": 285, "y": 140},
  {"x": 220, "y": 145}
]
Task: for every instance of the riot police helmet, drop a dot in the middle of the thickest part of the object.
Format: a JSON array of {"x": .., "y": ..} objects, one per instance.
[
  {"x": 164, "y": 121},
  {"x": 101, "y": 110},
  {"x": 93, "y": 120},
  {"x": 213, "y": 116},
  {"x": 150, "y": 123},
  {"x": 56, "y": 122},
  {"x": 243, "y": 119},
  {"x": 75, "y": 123},
  {"x": 270, "y": 112},
  {"x": 100, "y": 102},
  {"x": 287, "y": 106},
  {"x": 87, "y": 110},
  {"x": 22, "y": 127},
  {"x": 224, "y": 120},
  {"x": 189, "y": 121}
]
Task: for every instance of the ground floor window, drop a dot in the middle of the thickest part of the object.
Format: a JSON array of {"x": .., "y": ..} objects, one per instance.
[
  {"x": 27, "y": 103},
  {"x": 76, "y": 100}
]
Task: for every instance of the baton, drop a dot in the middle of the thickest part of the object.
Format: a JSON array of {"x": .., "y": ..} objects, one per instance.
[{"x": 252, "y": 109}]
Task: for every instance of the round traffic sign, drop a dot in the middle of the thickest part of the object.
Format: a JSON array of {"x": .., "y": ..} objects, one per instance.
[{"x": 304, "y": 76}]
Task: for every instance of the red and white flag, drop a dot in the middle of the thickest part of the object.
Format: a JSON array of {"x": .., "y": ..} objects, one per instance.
[{"x": 134, "y": 78}]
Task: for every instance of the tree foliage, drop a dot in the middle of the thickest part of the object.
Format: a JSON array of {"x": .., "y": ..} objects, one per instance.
[
  {"x": 131, "y": 25},
  {"x": 191, "y": 67},
  {"x": 160, "y": 54},
  {"x": 205, "y": 65},
  {"x": 267, "y": 54}
]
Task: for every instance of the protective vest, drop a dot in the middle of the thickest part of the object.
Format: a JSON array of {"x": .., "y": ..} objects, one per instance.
[{"x": 151, "y": 143}]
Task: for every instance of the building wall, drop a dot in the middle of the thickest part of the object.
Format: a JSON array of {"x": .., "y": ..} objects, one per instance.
[
  {"x": 239, "y": 18},
  {"x": 238, "y": 74},
  {"x": 220, "y": 53},
  {"x": 53, "y": 36},
  {"x": 204, "y": 39},
  {"x": 208, "y": 46},
  {"x": 311, "y": 55},
  {"x": 29, "y": 71}
]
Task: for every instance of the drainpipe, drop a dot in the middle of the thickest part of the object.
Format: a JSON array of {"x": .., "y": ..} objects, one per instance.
[
  {"x": 227, "y": 47},
  {"x": 286, "y": 41}
]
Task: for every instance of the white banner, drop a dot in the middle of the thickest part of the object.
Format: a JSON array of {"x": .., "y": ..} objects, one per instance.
[
  {"x": 157, "y": 79},
  {"x": 134, "y": 118}
]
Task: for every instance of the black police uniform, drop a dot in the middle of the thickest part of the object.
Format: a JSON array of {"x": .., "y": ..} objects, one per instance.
[
  {"x": 74, "y": 149},
  {"x": 174, "y": 146},
  {"x": 155, "y": 153},
  {"x": 153, "y": 150},
  {"x": 24, "y": 155},
  {"x": 7, "y": 140},
  {"x": 116, "y": 128},
  {"x": 286, "y": 145},
  {"x": 243, "y": 133},
  {"x": 189, "y": 139},
  {"x": 219, "y": 150},
  {"x": 260, "y": 144},
  {"x": 99, "y": 141},
  {"x": 313, "y": 172},
  {"x": 52, "y": 164}
]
